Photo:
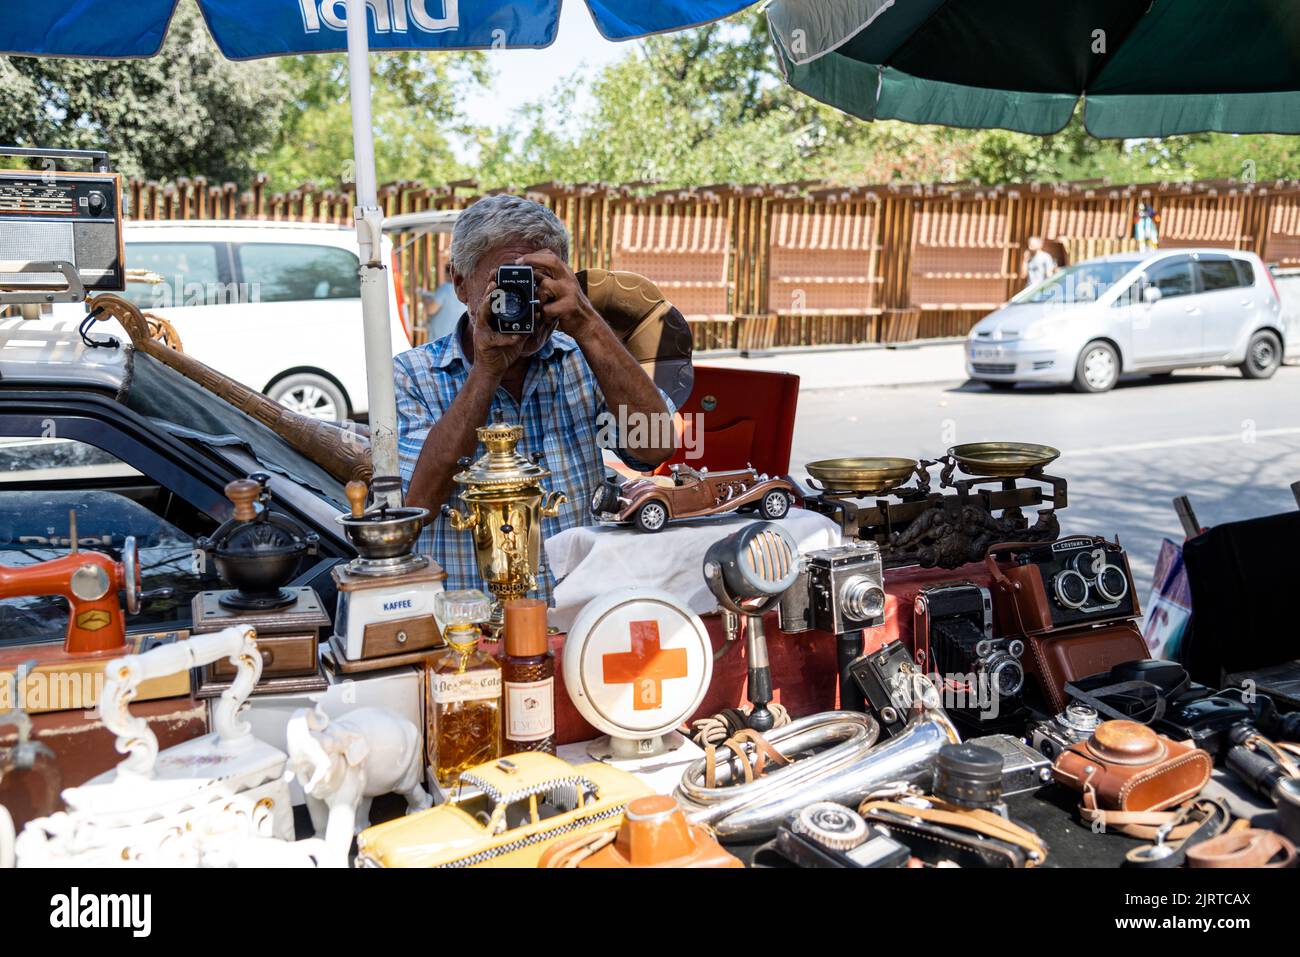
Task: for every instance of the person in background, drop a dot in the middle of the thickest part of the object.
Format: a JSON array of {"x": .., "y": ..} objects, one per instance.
[
  {"x": 1038, "y": 263},
  {"x": 443, "y": 309},
  {"x": 1146, "y": 228}
]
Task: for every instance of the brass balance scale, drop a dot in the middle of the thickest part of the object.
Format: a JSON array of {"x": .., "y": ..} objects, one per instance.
[
  {"x": 505, "y": 503},
  {"x": 949, "y": 527}
]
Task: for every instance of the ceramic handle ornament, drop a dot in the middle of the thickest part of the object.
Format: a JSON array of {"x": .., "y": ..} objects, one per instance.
[{"x": 123, "y": 676}]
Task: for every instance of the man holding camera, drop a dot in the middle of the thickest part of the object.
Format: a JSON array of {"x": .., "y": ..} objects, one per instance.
[{"x": 555, "y": 380}]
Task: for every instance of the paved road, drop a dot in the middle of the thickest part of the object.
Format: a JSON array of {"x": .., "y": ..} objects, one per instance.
[{"x": 1231, "y": 444}]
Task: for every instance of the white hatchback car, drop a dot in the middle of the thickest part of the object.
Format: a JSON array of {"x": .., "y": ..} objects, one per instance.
[
  {"x": 1134, "y": 312},
  {"x": 274, "y": 305}
]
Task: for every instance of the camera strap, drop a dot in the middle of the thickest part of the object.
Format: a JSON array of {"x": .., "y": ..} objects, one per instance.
[
  {"x": 1155, "y": 709},
  {"x": 1197, "y": 821}
]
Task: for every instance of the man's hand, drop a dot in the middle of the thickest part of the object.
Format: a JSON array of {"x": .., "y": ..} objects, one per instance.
[
  {"x": 563, "y": 300},
  {"x": 494, "y": 352}
]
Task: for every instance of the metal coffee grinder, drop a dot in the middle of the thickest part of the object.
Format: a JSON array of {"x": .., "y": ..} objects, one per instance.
[{"x": 385, "y": 605}]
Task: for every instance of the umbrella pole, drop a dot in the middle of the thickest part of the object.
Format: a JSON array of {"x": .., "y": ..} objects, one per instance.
[{"x": 369, "y": 220}]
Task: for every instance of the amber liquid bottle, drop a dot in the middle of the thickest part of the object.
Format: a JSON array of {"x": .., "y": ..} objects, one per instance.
[
  {"x": 464, "y": 691},
  {"x": 528, "y": 674}
]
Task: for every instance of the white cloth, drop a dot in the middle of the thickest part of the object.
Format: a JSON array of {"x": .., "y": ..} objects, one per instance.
[{"x": 592, "y": 559}]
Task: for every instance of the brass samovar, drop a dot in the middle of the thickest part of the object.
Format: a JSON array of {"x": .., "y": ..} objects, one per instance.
[{"x": 505, "y": 504}]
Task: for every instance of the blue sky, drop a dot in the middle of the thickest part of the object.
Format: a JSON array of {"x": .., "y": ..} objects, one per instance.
[{"x": 522, "y": 76}]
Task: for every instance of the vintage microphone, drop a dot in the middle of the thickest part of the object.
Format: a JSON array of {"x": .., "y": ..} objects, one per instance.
[{"x": 748, "y": 572}]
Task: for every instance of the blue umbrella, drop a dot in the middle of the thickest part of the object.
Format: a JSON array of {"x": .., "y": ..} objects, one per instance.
[{"x": 249, "y": 29}]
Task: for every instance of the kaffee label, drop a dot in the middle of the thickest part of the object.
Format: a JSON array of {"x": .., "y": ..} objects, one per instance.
[{"x": 471, "y": 686}]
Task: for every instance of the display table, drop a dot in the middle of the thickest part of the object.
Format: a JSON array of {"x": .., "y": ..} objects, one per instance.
[{"x": 803, "y": 665}]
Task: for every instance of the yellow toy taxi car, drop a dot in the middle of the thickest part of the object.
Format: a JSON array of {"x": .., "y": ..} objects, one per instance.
[{"x": 512, "y": 809}]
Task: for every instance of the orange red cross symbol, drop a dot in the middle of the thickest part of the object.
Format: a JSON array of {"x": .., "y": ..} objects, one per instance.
[{"x": 646, "y": 667}]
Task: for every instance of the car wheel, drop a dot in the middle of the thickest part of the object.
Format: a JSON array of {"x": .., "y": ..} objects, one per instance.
[
  {"x": 1097, "y": 369},
  {"x": 651, "y": 516},
  {"x": 1263, "y": 356},
  {"x": 605, "y": 499},
  {"x": 311, "y": 395},
  {"x": 775, "y": 504}
]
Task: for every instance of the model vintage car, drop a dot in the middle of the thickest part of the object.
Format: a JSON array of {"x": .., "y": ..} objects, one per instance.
[
  {"x": 511, "y": 810},
  {"x": 651, "y": 503}
]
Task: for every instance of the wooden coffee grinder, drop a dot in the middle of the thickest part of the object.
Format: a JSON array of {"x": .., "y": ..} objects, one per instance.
[
  {"x": 257, "y": 552},
  {"x": 385, "y": 608}
]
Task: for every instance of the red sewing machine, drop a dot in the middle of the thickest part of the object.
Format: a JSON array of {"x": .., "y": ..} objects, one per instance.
[{"x": 68, "y": 676}]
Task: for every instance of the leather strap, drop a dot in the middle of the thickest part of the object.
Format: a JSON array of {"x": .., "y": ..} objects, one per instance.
[
  {"x": 1214, "y": 816},
  {"x": 985, "y": 823},
  {"x": 1147, "y": 825},
  {"x": 1247, "y": 847},
  {"x": 751, "y": 766}
]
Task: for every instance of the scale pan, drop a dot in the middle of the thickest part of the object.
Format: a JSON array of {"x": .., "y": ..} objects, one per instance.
[
  {"x": 1002, "y": 459},
  {"x": 869, "y": 476}
]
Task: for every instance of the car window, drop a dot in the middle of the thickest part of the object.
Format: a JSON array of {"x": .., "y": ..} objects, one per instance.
[
  {"x": 1173, "y": 277},
  {"x": 111, "y": 500},
  {"x": 518, "y": 814},
  {"x": 1131, "y": 295},
  {"x": 1288, "y": 293},
  {"x": 1217, "y": 274},
  {"x": 191, "y": 274},
  {"x": 1082, "y": 282},
  {"x": 290, "y": 272},
  {"x": 1245, "y": 272}
]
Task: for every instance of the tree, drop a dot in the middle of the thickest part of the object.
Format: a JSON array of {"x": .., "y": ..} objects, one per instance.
[
  {"x": 186, "y": 112},
  {"x": 414, "y": 107}
]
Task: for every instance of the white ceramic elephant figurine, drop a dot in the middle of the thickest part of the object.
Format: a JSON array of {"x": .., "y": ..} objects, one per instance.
[{"x": 342, "y": 764}]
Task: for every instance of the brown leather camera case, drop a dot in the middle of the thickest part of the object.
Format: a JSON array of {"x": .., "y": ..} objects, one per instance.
[
  {"x": 1125, "y": 766},
  {"x": 1056, "y": 658}
]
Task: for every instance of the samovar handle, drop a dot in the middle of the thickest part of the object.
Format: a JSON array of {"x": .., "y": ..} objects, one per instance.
[
  {"x": 460, "y": 521},
  {"x": 552, "y": 504}
]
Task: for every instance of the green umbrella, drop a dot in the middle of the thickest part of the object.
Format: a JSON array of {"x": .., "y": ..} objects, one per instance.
[{"x": 1141, "y": 67}]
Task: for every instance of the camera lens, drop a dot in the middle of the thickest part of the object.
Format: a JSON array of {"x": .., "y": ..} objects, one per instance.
[
  {"x": 511, "y": 306},
  {"x": 861, "y": 599},
  {"x": 1071, "y": 588},
  {"x": 1112, "y": 583},
  {"x": 1006, "y": 676}
]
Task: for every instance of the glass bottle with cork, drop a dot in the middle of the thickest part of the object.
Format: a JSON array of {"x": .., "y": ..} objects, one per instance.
[
  {"x": 464, "y": 691},
  {"x": 528, "y": 674}
]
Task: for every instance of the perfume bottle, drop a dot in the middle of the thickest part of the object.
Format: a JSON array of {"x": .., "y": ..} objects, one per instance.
[
  {"x": 528, "y": 673},
  {"x": 464, "y": 691}
]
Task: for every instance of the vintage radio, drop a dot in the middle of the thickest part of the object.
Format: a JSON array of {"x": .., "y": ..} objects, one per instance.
[
  {"x": 51, "y": 220},
  {"x": 1081, "y": 580}
]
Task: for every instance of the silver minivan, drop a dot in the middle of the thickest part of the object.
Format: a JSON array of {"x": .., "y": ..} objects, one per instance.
[{"x": 1133, "y": 312}]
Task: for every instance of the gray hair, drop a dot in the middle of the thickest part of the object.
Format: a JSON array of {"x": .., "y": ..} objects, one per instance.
[{"x": 495, "y": 220}]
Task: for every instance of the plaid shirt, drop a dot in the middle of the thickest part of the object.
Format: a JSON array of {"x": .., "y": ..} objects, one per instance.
[{"x": 559, "y": 410}]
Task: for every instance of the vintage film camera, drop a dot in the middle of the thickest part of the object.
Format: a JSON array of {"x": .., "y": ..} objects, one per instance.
[
  {"x": 954, "y": 638},
  {"x": 1076, "y": 723},
  {"x": 838, "y": 590},
  {"x": 515, "y": 307},
  {"x": 1074, "y": 581}
]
